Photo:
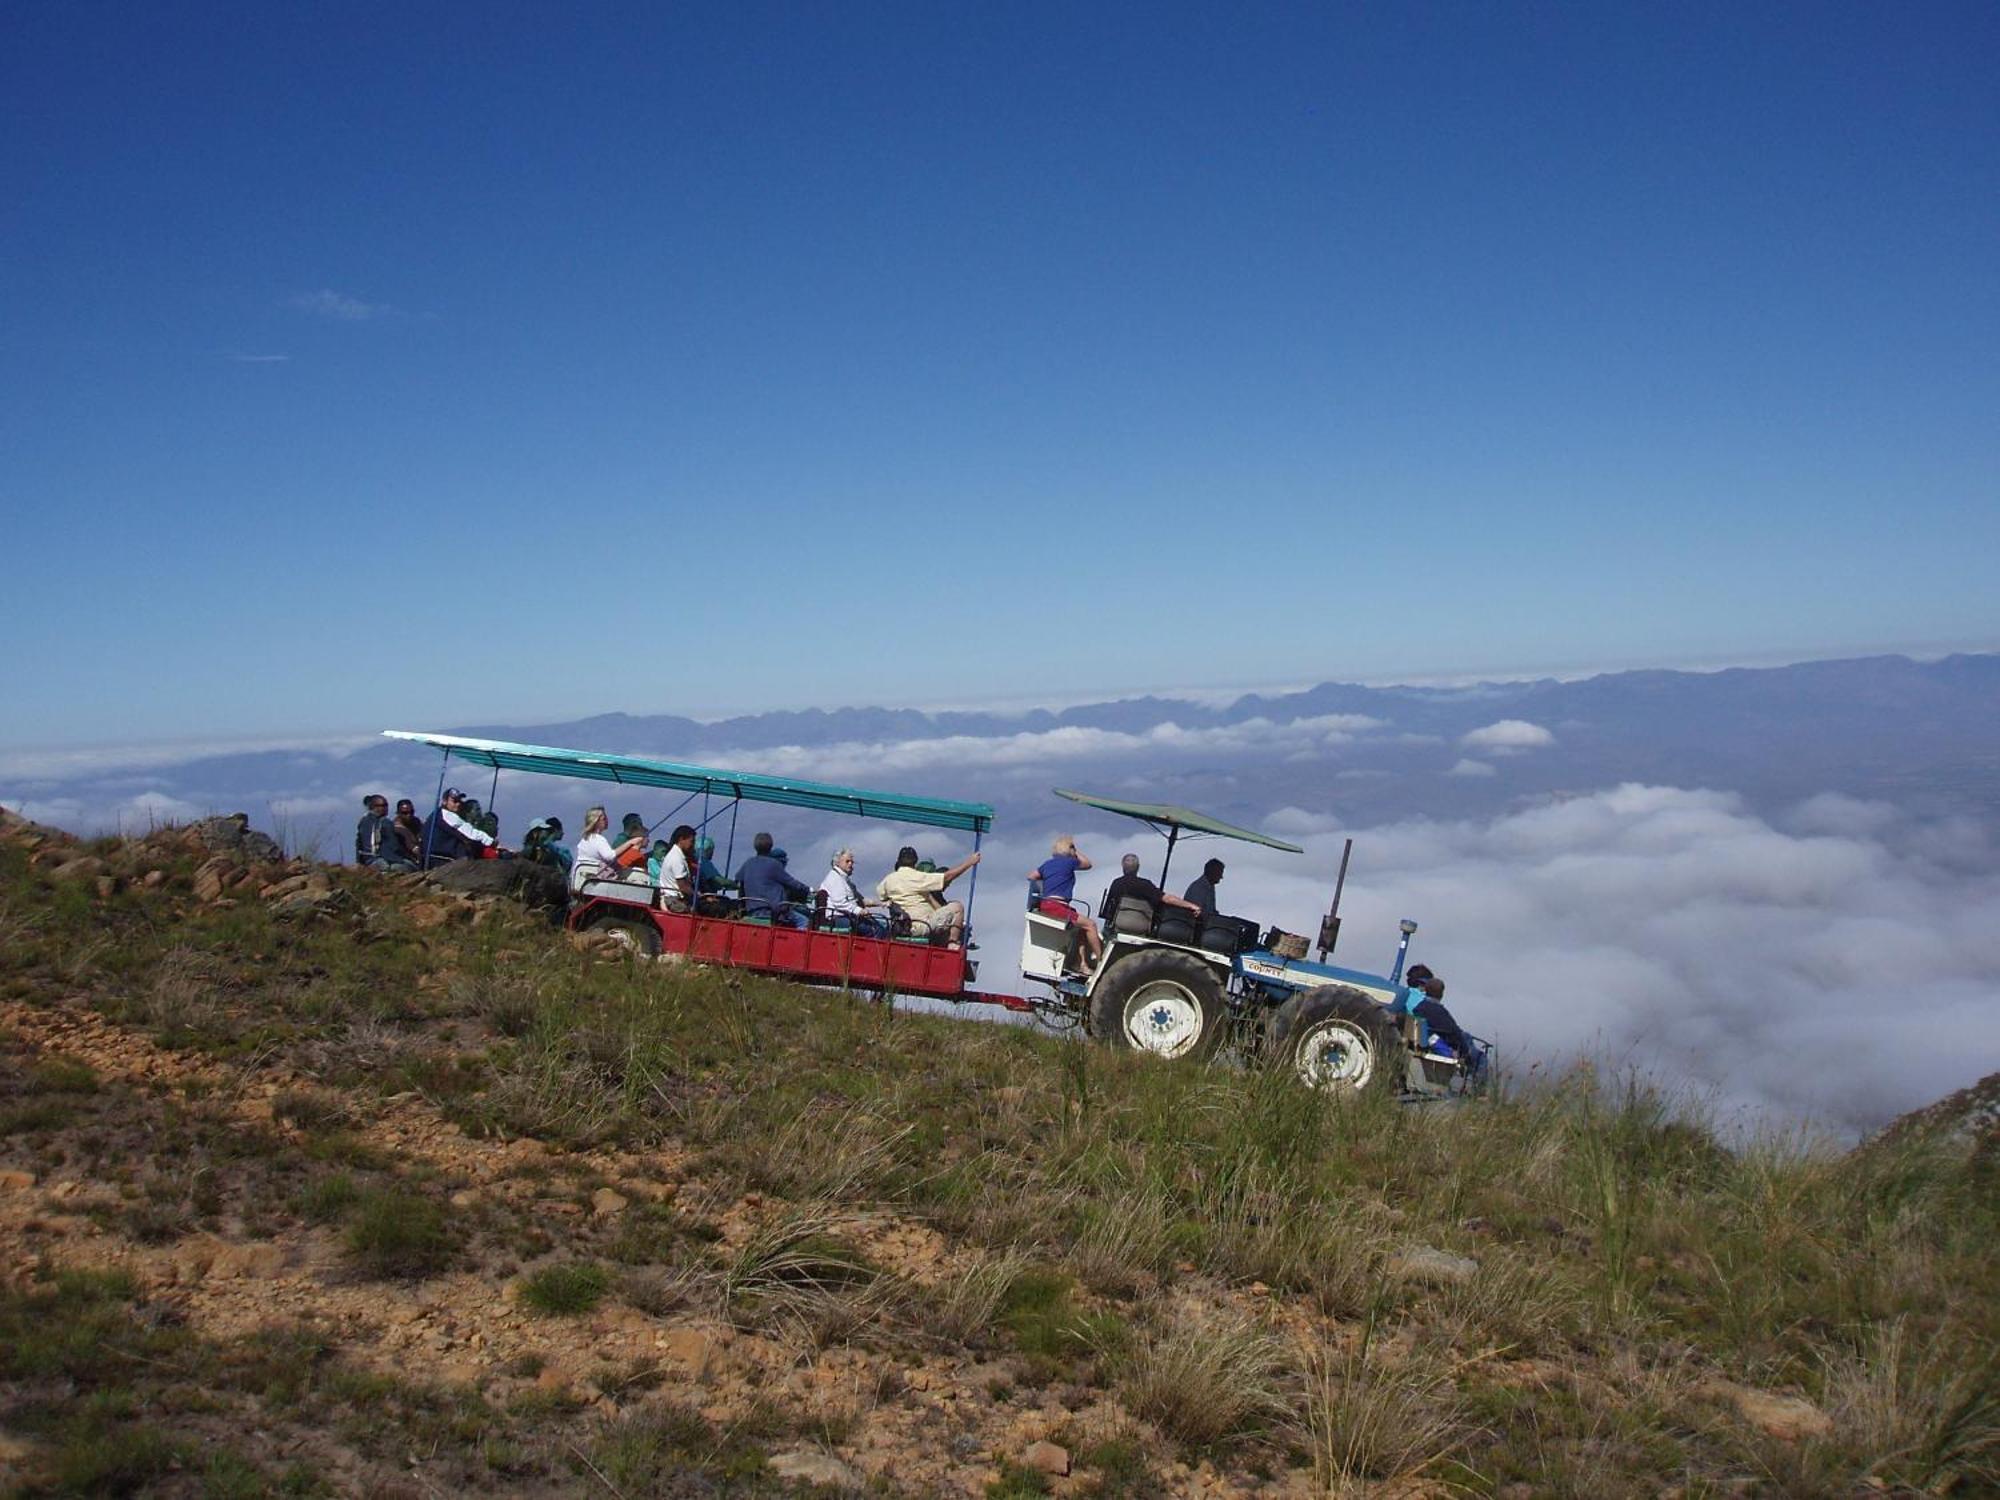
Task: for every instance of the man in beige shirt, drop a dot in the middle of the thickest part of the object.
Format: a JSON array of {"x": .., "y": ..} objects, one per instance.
[{"x": 918, "y": 894}]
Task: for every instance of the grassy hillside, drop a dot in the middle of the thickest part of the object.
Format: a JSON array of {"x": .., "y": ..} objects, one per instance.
[{"x": 318, "y": 1183}]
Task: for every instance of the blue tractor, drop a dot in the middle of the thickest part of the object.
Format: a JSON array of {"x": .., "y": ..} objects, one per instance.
[{"x": 1183, "y": 984}]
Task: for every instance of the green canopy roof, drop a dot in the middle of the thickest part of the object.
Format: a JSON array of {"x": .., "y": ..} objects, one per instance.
[
  {"x": 634, "y": 770},
  {"x": 1165, "y": 816}
]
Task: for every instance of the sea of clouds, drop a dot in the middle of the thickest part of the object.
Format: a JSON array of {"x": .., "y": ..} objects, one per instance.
[{"x": 1833, "y": 960}]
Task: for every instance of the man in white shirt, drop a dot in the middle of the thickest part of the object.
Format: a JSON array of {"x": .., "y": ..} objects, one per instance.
[
  {"x": 449, "y": 836},
  {"x": 844, "y": 898},
  {"x": 678, "y": 872}
]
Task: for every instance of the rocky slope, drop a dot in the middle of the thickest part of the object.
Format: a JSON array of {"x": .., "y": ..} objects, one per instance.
[{"x": 314, "y": 1182}]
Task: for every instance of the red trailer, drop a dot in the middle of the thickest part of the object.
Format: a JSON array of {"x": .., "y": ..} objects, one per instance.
[{"x": 821, "y": 952}]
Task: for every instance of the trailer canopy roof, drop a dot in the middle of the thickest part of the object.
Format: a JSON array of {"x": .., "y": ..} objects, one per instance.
[
  {"x": 634, "y": 770},
  {"x": 1175, "y": 821}
]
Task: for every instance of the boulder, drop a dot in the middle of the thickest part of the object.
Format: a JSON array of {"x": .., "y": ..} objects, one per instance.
[
  {"x": 211, "y": 877},
  {"x": 233, "y": 834},
  {"x": 1426, "y": 1263},
  {"x": 1047, "y": 1457},
  {"x": 812, "y": 1466},
  {"x": 528, "y": 882},
  {"x": 82, "y": 867},
  {"x": 1787, "y": 1417}
]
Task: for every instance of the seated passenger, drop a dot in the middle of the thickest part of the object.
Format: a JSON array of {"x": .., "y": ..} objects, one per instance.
[
  {"x": 597, "y": 858},
  {"x": 655, "y": 858},
  {"x": 916, "y": 893},
  {"x": 447, "y": 834},
  {"x": 375, "y": 843},
  {"x": 1057, "y": 874},
  {"x": 1441, "y": 1021},
  {"x": 713, "y": 880},
  {"x": 1201, "y": 891},
  {"x": 677, "y": 872},
  {"x": 1132, "y": 886},
  {"x": 410, "y": 832},
  {"x": 769, "y": 889},
  {"x": 634, "y": 828},
  {"x": 844, "y": 901}
]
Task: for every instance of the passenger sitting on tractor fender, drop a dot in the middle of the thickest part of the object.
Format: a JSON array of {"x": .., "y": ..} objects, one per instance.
[
  {"x": 916, "y": 894},
  {"x": 1057, "y": 874},
  {"x": 844, "y": 898},
  {"x": 677, "y": 872},
  {"x": 1201, "y": 891},
  {"x": 1132, "y": 886},
  {"x": 596, "y": 856},
  {"x": 769, "y": 888},
  {"x": 1432, "y": 1012}
]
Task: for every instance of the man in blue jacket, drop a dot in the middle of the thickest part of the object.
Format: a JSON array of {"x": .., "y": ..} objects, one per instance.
[{"x": 768, "y": 887}]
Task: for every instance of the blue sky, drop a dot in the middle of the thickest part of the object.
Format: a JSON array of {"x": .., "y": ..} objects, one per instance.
[{"x": 500, "y": 362}]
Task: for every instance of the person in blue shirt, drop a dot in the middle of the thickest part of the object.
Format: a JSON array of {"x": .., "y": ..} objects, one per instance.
[
  {"x": 713, "y": 881},
  {"x": 769, "y": 887},
  {"x": 1441, "y": 1021},
  {"x": 1057, "y": 874}
]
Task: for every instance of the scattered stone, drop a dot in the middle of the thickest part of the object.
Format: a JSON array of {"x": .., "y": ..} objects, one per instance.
[
  {"x": 82, "y": 867},
  {"x": 1258, "y": 1289},
  {"x": 552, "y": 1379},
  {"x": 154, "y": 879},
  {"x": 1426, "y": 1263},
  {"x": 16, "y": 1182},
  {"x": 811, "y": 1466},
  {"x": 436, "y": 913},
  {"x": 283, "y": 887},
  {"x": 1786, "y": 1417},
  {"x": 465, "y": 1198},
  {"x": 1047, "y": 1457},
  {"x": 107, "y": 887},
  {"x": 606, "y": 1202}
]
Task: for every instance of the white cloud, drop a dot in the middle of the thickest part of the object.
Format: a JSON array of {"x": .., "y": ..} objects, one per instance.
[
  {"x": 1469, "y": 767},
  {"x": 1041, "y": 747},
  {"x": 258, "y": 359},
  {"x": 1506, "y": 736},
  {"x": 339, "y": 306},
  {"x": 63, "y": 762}
]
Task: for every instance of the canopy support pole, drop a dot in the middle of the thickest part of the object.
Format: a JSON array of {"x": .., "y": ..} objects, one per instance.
[
  {"x": 493, "y": 796},
  {"x": 729, "y": 856},
  {"x": 1173, "y": 837},
  {"x": 971, "y": 890},
  {"x": 430, "y": 823}
]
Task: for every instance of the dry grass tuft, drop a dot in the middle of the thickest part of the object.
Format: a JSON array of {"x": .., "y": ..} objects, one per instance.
[
  {"x": 1363, "y": 1421},
  {"x": 1207, "y": 1379}
]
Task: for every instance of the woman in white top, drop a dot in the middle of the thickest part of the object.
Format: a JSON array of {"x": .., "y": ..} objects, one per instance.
[{"x": 596, "y": 855}]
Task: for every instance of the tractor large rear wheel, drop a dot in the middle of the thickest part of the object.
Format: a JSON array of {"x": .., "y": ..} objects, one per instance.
[
  {"x": 1162, "y": 1002},
  {"x": 636, "y": 931},
  {"x": 1338, "y": 1040}
]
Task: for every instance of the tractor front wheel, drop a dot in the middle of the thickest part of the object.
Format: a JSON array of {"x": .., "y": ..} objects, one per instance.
[
  {"x": 1161, "y": 1002},
  {"x": 1338, "y": 1040}
]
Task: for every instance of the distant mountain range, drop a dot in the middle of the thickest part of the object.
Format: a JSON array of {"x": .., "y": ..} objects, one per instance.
[{"x": 1924, "y": 735}]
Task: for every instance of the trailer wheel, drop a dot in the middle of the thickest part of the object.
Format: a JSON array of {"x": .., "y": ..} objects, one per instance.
[
  {"x": 638, "y": 931},
  {"x": 1338, "y": 1040},
  {"x": 1161, "y": 1002}
]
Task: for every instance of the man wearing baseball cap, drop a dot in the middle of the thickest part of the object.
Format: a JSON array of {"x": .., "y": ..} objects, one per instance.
[{"x": 447, "y": 836}]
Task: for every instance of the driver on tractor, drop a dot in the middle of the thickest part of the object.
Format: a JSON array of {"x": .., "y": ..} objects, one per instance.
[{"x": 1430, "y": 1010}]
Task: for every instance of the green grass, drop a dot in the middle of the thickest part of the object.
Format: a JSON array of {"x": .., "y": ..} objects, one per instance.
[
  {"x": 565, "y": 1290},
  {"x": 399, "y": 1235}
]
